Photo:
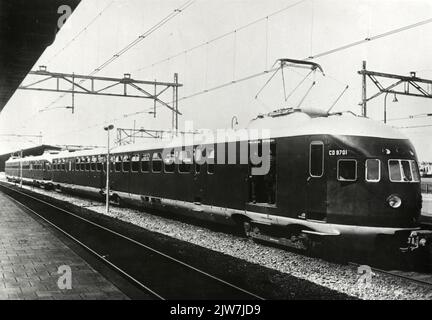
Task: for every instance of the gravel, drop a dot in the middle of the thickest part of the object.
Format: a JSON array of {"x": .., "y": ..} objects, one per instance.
[{"x": 342, "y": 278}]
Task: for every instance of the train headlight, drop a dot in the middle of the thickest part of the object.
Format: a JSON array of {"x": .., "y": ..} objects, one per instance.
[{"x": 394, "y": 201}]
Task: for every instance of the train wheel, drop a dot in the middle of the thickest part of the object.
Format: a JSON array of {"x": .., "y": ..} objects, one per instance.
[
  {"x": 117, "y": 200},
  {"x": 247, "y": 229}
]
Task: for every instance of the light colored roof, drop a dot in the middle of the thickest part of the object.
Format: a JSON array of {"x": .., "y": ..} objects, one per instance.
[{"x": 293, "y": 124}]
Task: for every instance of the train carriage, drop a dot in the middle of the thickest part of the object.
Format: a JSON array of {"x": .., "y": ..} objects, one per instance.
[{"x": 336, "y": 175}]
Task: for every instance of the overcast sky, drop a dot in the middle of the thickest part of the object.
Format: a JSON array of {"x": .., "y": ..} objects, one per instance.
[{"x": 308, "y": 28}]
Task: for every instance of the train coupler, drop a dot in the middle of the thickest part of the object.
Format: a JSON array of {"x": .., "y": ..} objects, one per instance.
[{"x": 417, "y": 239}]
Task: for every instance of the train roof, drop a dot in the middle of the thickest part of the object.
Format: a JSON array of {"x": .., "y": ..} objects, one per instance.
[{"x": 296, "y": 123}]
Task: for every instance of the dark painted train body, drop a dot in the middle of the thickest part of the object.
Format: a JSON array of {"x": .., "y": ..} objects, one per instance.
[{"x": 335, "y": 176}]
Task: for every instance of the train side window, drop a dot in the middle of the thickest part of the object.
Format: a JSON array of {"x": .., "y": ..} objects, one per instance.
[
  {"x": 93, "y": 163},
  {"x": 169, "y": 162},
  {"x": 156, "y": 162},
  {"x": 100, "y": 163},
  {"x": 373, "y": 170},
  {"x": 199, "y": 154},
  {"x": 145, "y": 162},
  {"x": 135, "y": 166},
  {"x": 118, "y": 163},
  {"x": 347, "y": 170},
  {"x": 211, "y": 161},
  {"x": 87, "y": 164},
  {"x": 82, "y": 164},
  {"x": 316, "y": 159},
  {"x": 185, "y": 159},
  {"x": 126, "y": 163},
  {"x": 77, "y": 164},
  {"x": 112, "y": 163}
]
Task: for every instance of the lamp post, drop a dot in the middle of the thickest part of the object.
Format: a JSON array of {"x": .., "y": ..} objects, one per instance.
[
  {"x": 21, "y": 169},
  {"x": 385, "y": 105},
  {"x": 108, "y": 129}
]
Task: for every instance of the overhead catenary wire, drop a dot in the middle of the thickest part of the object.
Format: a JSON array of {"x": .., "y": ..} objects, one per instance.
[
  {"x": 83, "y": 30},
  {"x": 222, "y": 36},
  {"x": 325, "y": 53},
  {"x": 338, "y": 49},
  {"x": 135, "y": 42}
]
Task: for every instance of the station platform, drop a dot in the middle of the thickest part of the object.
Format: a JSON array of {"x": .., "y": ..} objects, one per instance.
[{"x": 30, "y": 255}]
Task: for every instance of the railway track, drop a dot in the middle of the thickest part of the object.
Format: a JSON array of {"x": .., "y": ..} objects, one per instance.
[
  {"x": 412, "y": 276},
  {"x": 150, "y": 270}
]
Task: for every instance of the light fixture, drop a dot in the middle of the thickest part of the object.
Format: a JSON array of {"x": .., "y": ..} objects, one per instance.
[
  {"x": 394, "y": 201},
  {"x": 395, "y": 99}
]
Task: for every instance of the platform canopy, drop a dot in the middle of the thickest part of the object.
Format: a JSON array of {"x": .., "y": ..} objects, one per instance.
[{"x": 26, "y": 29}]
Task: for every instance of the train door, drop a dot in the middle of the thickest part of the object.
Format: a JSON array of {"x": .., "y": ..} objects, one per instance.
[
  {"x": 316, "y": 189},
  {"x": 262, "y": 186},
  {"x": 200, "y": 175}
]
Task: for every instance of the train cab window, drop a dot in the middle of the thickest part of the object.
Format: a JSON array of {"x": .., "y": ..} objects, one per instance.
[
  {"x": 135, "y": 164},
  {"x": 347, "y": 170},
  {"x": 118, "y": 163},
  {"x": 185, "y": 161},
  {"x": 404, "y": 171},
  {"x": 145, "y": 162},
  {"x": 126, "y": 163},
  {"x": 156, "y": 162},
  {"x": 373, "y": 170},
  {"x": 169, "y": 162},
  {"x": 316, "y": 159},
  {"x": 415, "y": 171},
  {"x": 211, "y": 161}
]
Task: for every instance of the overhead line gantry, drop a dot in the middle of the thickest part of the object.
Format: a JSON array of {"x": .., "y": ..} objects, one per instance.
[{"x": 107, "y": 86}]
